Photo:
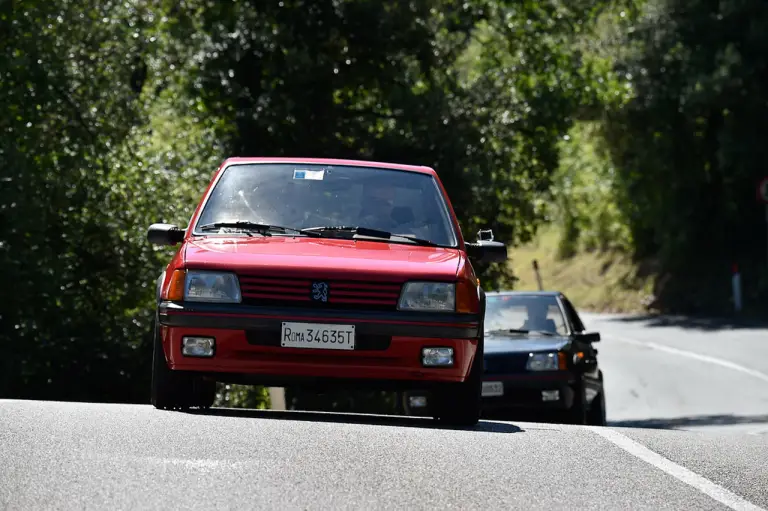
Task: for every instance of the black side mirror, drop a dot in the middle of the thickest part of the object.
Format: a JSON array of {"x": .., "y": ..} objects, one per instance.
[
  {"x": 589, "y": 336},
  {"x": 485, "y": 250},
  {"x": 165, "y": 234}
]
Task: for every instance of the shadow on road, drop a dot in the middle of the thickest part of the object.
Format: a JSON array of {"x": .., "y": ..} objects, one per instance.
[
  {"x": 483, "y": 426},
  {"x": 693, "y": 323},
  {"x": 699, "y": 420}
]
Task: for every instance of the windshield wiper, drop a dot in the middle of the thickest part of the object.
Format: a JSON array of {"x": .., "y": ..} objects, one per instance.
[
  {"x": 369, "y": 232},
  {"x": 263, "y": 229},
  {"x": 519, "y": 331}
]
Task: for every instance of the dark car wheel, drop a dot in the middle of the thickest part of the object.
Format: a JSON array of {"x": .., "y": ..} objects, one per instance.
[
  {"x": 596, "y": 414},
  {"x": 459, "y": 404},
  {"x": 577, "y": 413},
  {"x": 174, "y": 389}
]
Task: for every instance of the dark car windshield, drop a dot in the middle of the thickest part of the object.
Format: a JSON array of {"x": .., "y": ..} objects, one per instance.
[
  {"x": 303, "y": 196},
  {"x": 524, "y": 312}
]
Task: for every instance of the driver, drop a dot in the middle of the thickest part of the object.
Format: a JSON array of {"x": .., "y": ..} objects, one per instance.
[
  {"x": 537, "y": 317},
  {"x": 378, "y": 201}
]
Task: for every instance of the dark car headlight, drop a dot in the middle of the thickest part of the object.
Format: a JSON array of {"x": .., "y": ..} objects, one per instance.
[{"x": 547, "y": 361}]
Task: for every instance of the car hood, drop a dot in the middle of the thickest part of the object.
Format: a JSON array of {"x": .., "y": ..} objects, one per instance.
[
  {"x": 498, "y": 345},
  {"x": 334, "y": 258}
]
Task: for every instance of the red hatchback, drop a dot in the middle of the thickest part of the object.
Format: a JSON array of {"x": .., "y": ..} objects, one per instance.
[{"x": 308, "y": 271}]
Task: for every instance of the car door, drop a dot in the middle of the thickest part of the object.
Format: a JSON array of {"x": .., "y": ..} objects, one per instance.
[{"x": 592, "y": 378}]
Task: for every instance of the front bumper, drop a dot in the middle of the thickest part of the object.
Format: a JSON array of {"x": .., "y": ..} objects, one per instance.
[
  {"x": 523, "y": 392},
  {"x": 388, "y": 345},
  {"x": 528, "y": 391}
]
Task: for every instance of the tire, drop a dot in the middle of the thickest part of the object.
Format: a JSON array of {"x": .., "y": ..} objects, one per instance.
[
  {"x": 596, "y": 413},
  {"x": 459, "y": 404},
  {"x": 577, "y": 414},
  {"x": 177, "y": 390}
]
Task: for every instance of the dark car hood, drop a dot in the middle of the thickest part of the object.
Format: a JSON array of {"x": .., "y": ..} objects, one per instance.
[{"x": 500, "y": 344}]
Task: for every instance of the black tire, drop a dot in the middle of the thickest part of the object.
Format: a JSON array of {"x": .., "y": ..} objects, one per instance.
[
  {"x": 176, "y": 390},
  {"x": 596, "y": 413},
  {"x": 205, "y": 393},
  {"x": 459, "y": 404},
  {"x": 577, "y": 414}
]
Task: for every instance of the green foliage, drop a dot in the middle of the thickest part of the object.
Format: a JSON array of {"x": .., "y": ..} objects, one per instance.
[
  {"x": 242, "y": 396},
  {"x": 689, "y": 147},
  {"x": 75, "y": 283},
  {"x": 587, "y": 206},
  {"x": 99, "y": 144}
]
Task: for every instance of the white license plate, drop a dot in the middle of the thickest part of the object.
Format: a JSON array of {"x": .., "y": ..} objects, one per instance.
[
  {"x": 493, "y": 388},
  {"x": 317, "y": 336}
]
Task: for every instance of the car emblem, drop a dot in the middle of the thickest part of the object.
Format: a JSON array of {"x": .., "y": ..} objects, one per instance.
[{"x": 320, "y": 291}]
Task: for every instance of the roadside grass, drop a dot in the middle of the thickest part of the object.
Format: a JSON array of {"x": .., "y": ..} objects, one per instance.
[{"x": 594, "y": 281}]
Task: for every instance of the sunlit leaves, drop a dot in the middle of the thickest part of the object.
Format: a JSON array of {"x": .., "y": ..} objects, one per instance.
[{"x": 72, "y": 266}]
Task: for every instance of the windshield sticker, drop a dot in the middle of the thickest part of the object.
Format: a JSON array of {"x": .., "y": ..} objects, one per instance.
[{"x": 315, "y": 175}]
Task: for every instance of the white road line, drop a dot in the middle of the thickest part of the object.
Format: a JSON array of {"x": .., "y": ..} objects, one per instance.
[
  {"x": 695, "y": 356},
  {"x": 760, "y": 431},
  {"x": 713, "y": 490}
]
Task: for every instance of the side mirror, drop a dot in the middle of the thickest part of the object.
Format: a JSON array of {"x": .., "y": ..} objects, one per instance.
[
  {"x": 165, "y": 234},
  {"x": 486, "y": 250},
  {"x": 589, "y": 337}
]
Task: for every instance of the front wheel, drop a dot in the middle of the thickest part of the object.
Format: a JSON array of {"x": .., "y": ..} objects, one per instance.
[
  {"x": 596, "y": 414},
  {"x": 577, "y": 414},
  {"x": 176, "y": 389},
  {"x": 459, "y": 404}
]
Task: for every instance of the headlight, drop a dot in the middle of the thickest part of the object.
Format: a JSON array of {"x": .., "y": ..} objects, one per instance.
[
  {"x": 209, "y": 286},
  {"x": 428, "y": 296},
  {"x": 542, "y": 362},
  {"x": 437, "y": 357}
]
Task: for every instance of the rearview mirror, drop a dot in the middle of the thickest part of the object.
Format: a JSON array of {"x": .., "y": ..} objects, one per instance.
[
  {"x": 165, "y": 234},
  {"x": 589, "y": 336},
  {"x": 485, "y": 250}
]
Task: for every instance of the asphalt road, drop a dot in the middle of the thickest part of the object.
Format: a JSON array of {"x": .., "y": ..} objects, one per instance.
[
  {"x": 96, "y": 456},
  {"x": 684, "y": 374}
]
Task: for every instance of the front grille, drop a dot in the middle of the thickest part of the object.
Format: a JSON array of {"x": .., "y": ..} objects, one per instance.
[
  {"x": 507, "y": 363},
  {"x": 277, "y": 291}
]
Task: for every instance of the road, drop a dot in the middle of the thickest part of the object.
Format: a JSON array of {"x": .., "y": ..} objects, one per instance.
[
  {"x": 677, "y": 373},
  {"x": 98, "y": 456}
]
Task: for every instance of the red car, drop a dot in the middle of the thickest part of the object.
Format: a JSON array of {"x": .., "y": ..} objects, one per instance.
[{"x": 316, "y": 271}]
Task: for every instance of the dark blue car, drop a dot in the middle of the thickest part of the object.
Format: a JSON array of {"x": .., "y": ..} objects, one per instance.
[{"x": 539, "y": 361}]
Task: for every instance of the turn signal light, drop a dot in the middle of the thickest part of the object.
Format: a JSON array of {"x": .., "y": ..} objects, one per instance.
[
  {"x": 562, "y": 363},
  {"x": 176, "y": 286},
  {"x": 466, "y": 297}
]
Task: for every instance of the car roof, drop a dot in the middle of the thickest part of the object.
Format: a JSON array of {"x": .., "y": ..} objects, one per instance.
[
  {"x": 524, "y": 293},
  {"x": 330, "y": 161}
]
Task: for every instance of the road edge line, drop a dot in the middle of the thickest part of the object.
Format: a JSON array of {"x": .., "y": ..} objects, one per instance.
[
  {"x": 679, "y": 472},
  {"x": 696, "y": 356}
]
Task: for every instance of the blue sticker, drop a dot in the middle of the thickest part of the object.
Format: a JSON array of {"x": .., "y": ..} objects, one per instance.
[{"x": 314, "y": 175}]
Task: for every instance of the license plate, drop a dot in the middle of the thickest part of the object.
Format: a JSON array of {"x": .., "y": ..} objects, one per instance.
[
  {"x": 493, "y": 388},
  {"x": 317, "y": 336}
]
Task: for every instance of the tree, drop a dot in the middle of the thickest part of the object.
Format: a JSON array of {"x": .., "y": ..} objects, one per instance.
[
  {"x": 72, "y": 314},
  {"x": 689, "y": 146}
]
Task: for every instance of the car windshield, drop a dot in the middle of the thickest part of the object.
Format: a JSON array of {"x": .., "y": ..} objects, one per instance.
[
  {"x": 534, "y": 313},
  {"x": 303, "y": 196}
]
